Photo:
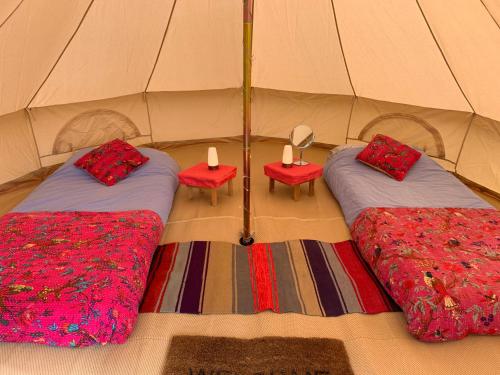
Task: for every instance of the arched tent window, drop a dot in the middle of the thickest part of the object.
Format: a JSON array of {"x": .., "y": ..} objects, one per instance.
[
  {"x": 92, "y": 128},
  {"x": 408, "y": 129}
]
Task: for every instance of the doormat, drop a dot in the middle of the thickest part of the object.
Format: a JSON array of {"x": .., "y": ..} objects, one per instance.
[{"x": 202, "y": 355}]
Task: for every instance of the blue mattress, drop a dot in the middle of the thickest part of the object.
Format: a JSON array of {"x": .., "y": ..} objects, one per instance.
[
  {"x": 357, "y": 186},
  {"x": 151, "y": 187}
]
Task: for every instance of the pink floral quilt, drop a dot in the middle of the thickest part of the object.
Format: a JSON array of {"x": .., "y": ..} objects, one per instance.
[
  {"x": 441, "y": 265},
  {"x": 74, "y": 278}
]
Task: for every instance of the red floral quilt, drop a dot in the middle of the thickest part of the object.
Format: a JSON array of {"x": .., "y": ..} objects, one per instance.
[
  {"x": 74, "y": 278},
  {"x": 441, "y": 265}
]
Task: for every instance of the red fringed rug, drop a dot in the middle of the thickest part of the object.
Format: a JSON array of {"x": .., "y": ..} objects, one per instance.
[{"x": 306, "y": 277}]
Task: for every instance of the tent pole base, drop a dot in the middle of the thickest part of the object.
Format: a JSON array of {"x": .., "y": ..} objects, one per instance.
[{"x": 246, "y": 241}]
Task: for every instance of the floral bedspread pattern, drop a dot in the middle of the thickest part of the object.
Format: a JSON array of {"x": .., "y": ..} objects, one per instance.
[
  {"x": 74, "y": 278},
  {"x": 441, "y": 265}
]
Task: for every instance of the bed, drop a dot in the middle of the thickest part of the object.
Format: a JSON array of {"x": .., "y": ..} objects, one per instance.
[
  {"x": 151, "y": 187},
  {"x": 433, "y": 244},
  {"x": 74, "y": 256}
]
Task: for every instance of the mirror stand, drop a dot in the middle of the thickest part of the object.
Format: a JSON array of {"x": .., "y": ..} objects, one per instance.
[
  {"x": 301, "y": 161},
  {"x": 301, "y": 137}
]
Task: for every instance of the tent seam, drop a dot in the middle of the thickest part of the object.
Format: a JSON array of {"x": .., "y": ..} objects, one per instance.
[
  {"x": 491, "y": 15},
  {"x": 346, "y": 68},
  {"x": 149, "y": 117},
  {"x": 161, "y": 45},
  {"x": 463, "y": 142},
  {"x": 444, "y": 57},
  {"x": 62, "y": 52},
  {"x": 30, "y": 123},
  {"x": 354, "y": 98},
  {"x": 11, "y": 13},
  {"x": 342, "y": 47}
]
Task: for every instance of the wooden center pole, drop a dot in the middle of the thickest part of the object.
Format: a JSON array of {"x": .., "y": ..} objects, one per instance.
[{"x": 247, "y": 238}]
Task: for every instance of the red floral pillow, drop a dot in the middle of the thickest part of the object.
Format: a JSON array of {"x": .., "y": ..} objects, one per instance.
[
  {"x": 111, "y": 162},
  {"x": 389, "y": 156}
]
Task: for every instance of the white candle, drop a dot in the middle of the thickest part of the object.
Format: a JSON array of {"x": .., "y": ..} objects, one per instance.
[
  {"x": 287, "y": 155},
  {"x": 213, "y": 160}
]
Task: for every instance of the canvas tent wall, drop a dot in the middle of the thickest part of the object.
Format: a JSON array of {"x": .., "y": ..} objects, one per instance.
[{"x": 75, "y": 73}]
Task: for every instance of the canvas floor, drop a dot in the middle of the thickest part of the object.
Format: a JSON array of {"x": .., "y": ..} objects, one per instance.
[{"x": 376, "y": 344}]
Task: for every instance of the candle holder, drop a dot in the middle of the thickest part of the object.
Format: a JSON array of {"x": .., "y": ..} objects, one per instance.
[
  {"x": 213, "y": 160},
  {"x": 287, "y": 159}
]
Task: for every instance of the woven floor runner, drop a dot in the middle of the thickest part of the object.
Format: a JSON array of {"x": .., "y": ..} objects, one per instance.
[{"x": 306, "y": 277}]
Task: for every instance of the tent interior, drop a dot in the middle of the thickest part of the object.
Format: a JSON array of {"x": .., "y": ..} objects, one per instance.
[{"x": 168, "y": 75}]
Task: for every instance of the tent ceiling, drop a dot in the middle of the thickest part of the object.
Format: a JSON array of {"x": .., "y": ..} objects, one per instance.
[
  {"x": 392, "y": 56},
  {"x": 493, "y": 8},
  {"x": 470, "y": 39},
  {"x": 202, "y": 48},
  {"x": 176, "y": 66},
  {"x": 84, "y": 50},
  {"x": 111, "y": 55},
  {"x": 298, "y": 55},
  {"x": 30, "y": 42},
  {"x": 7, "y": 8}
]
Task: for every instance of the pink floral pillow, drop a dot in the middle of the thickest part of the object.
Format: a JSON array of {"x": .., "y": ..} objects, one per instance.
[
  {"x": 389, "y": 156},
  {"x": 112, "y": 162}
]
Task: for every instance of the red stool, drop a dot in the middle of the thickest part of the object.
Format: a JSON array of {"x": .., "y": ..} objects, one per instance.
[
  {"x": 293, "y": 176},
  {"x": 200, "y": 176}
]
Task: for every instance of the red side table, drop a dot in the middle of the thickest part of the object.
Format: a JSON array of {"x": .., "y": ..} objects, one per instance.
[
  {"x": 293, "y": 176},
  {"x": 200, "y": 176}
]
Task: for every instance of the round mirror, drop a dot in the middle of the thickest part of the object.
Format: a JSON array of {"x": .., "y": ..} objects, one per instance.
[{"x": 301, "y": 137}]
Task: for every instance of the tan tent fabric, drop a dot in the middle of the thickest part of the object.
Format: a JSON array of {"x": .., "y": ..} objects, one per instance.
[
  {"x": 392, "y": 56},
  {"x": 493, "y": 7},
  {"x": 30, "y": 43},
  {"x": 7, "y": 8},
  {"x": 480, "y": 158},
  {"x": 338, "y": 66},
  {"x": 177, "y": 116},
  {"x": 88, "y": 124},
  {"x": 464, "y": 28},
  {"x": 202, "y": 49},
  {"x": 18, "y": 153},
  {"x": 112, "y": 54},
  {"x": 440, "y": 133},
  {"x": 275, "y": 113},
  {"x": 426, "y": 72},
  {"x": 292, "y": 53}
]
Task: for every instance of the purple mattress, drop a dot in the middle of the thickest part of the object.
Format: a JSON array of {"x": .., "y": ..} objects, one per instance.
[
  {"x": 357, "y": 186},
  {"x": 151, "y": 187}
]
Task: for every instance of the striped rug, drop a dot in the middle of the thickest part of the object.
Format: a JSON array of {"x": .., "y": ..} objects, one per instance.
[{"x": 306, "y": 277}]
